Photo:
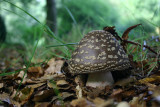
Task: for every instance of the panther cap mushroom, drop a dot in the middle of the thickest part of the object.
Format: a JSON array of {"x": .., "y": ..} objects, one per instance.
[{"x": 97, "y": 54}]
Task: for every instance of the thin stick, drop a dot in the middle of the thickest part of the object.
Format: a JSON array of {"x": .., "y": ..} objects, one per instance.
[{"x": 149, "y": 48}]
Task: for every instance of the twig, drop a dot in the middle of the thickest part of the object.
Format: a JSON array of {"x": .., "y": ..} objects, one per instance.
[{"x": 149, "y": 48}]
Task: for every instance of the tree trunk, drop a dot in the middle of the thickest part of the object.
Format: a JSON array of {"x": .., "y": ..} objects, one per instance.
[
  {"x": 2, "y": 30},
  {"x": 51, "y": 15}
]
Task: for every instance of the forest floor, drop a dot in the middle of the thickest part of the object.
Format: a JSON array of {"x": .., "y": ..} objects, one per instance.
[{"x": 43, "y": 85}]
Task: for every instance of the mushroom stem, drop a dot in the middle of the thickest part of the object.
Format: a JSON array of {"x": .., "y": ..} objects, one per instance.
[{"x": 100, "y": 79}]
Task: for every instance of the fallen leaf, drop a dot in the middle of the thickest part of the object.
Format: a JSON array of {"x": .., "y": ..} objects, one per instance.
[
  {"x": 116, "y": 92},
  {"x": 43, "y": 104},
  {"x": 67, "y": 96},
  {"x": 125, "y": 82},
  {"x": 25, "y": 94},
  {"x": 36, "y": 85},
  {"x": 156, "y": 94},
  {"x": 137, "y": 102},
  {"x": 19, "y": 77},
  {"x": 147, "y": 80},
  {"x": 150, "y": 86},
  {"x": 35, "y": 72},
  {"x": 129, "y": 93},
  {"x": 6, "y": 98},
  {"x": 152, "y": 79},
  {"x": 44, "y": 95},
  {"x": 62, "y": 83},
  {"x": 21, "y": 74},
  {"x": 92, "y": 92},
  {"x": 54, "y": 67},
  {"x": 107, "y": 103},
  {"x": 82, "y": 102},
  {"x": 97, "y": 101},
  {"x": 1, "y": 85}
]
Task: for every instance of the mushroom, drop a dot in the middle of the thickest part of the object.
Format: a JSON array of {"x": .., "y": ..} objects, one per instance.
[{"x": 98, "y": 54}]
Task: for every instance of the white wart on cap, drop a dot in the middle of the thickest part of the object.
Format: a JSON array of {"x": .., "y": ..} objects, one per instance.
[{"x": 97, "y": 54}]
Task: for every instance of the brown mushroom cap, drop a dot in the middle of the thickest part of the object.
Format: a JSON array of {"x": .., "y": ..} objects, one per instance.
[{"x": 98, "y": 51}]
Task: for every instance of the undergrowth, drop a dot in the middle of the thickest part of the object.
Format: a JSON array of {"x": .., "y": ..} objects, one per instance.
[{"x": 63, "y": 47}]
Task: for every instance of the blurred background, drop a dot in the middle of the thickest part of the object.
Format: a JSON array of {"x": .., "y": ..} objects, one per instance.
[{"x": 70, "y": 20}]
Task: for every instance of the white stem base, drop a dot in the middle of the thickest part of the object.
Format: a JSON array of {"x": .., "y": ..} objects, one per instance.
[{"x": 99, "y": 79}]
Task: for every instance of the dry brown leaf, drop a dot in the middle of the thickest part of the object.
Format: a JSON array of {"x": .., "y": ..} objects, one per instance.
[
  {"x": 82, "y": 102},
  {"x": 36, "y": 85},
  {"x": 137, "y": 102},
  {"x": 25, "y": 94},
  {"x": 129, "y": 93},
  {"x": 98, "y": 101},
  {"x": 21, "y": 74},
  {"x": 35, "y": 72},
  {"x": 117, "y": 92},
  {"x": 44, "y": 95},
  {"x": 67, "y": 96},
  {"x": 62, "y": 83},
  {"x": 59, "y": 84},
  {"x": 58, "y": 66},
  {"x": 51, "y": 84},
  {"x": 33, "y": 81},
  {"x": 103, "y": 103},
  {"x": 51, "y": 69},
  {"x": 6, "y": 98},
  {"x": 152, "y": 79},
  {"x": 93, "y": 92},
  {"x": 63, "y": 87},
  {"x": 46, "y": 77},
  {"x": 44, "y": 66},
  {"x": 150, "y": 86},
  {"x": 43, "y": 104},
  {"x": 55, "y": 98},
  {"x": 147, "y": 80},
  {"x": 156, "y": 94},
  {"x": 1, "y": 85},
  {"x": 54, "y": 67},
  {"x": 156, "y": 97},
  {"x": 125, "y": 82}
]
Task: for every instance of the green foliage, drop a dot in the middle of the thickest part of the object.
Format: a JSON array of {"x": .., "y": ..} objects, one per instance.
[
  {"x": 75, "y": 18},
  {"x": 138, "y": 11},
  {"x": 91, "y": 13}
]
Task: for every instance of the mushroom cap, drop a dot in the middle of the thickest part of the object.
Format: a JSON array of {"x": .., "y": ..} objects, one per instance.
[{"x": 98, "y": 51}]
